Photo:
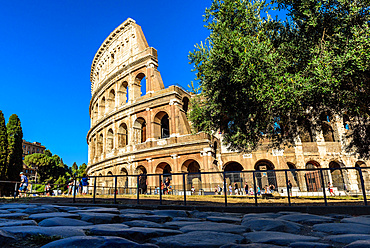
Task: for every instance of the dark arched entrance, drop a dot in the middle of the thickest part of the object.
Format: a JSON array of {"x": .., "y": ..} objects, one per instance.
[
  {"x": 336, "y": 175},
  {"x": 265, "y": 174},
  {"x": 313, "y": 181},
  {"x": 194, "y": 177},
  {"x": 233, "y": 175}
]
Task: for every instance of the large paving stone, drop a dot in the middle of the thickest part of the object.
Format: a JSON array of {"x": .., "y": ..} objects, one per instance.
[
  {"x": 198, "y": 239},
  {"x": 359, "y": 244},
  {"x": 358, "y": 220},
  {"x": 172, "y": 213},
  {"x": 272, "y": 225},
  {"x": 253, "y": 245},
  {"x": 310, "y": 245},
  {"x": 134, "y": 233},
  {"x": 37, "y": 210},
  {"x": 215, "y": 227},
  {"x": 4, "y": 212},
  {"x": 277, "y": 238},
  {"x": 97, "y": 210},
  {"x": 309, "y": 219},
  {"x": 96, "y": 242},
  {"x": 224, "y": 219},
  {"x": 58, "y": 221},
  {"x": 40, "y": 217},
  {"x": 179, "y": 224},
  {"x": 6, "y": 238},
  {"x": 62, "y": 231},
  {"x": 347, "y": 238},
  {"x": 143, "y": 223},
  {"x": 65, "y": 208},
  {"x": 17, "y": 206},
  {"x": 262, "y": 215},
  {"x": 135, "y": 211},
  {"x": 14, "y": 216},
  {"x": 100, "y": 218},
  {"x": 153, "y": 218},
  {"x": 6, "y": 223},
  {"x": 203, "y": 215},
  {"x": 342, "y": 228}
]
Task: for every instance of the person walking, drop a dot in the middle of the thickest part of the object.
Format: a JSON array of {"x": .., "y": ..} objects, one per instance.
[
  {"x": 23, "y": 186},
  {"x": 246, "y": 188}
]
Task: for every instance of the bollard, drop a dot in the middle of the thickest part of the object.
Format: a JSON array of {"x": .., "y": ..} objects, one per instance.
[
  {"x": 137, "y": 193},
  {"x": 115, "y": 190},
  {"x": 225, "y": 190},
  {"x": 255, "y": 189},
  {"x": 184, "y": 187},
  {"x": 287, "y": 186},
  {"x": 94, "y": 193},
  {"x": 323, "y": 187},
  {"x": 362, "y": 185}
]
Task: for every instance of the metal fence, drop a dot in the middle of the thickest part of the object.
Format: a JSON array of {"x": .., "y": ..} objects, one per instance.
[{"x": 318, "y": 186}]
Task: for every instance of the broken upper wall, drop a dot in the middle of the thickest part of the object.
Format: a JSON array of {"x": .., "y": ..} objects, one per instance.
[{"x": 123, "y": 55}]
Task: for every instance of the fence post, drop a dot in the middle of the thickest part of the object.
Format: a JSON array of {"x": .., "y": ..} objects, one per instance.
[
  {"x": 255, "y": 189},
  {"x": 160, "y": 190},
  {"x": 115, "y": 189},
  {"x": 225, "y": 191},
  {"x": 15, "y": 190},
  {"x": 362, "y": 185},
  {"x": 184, "y": 187},
  {"x": 287, "y": 186},
  {"x": 94, "y": 193},
  {"x": 74, "y": 189},
  {"x": 137, "y": 191},
  {"x": 323, "y": 187}
]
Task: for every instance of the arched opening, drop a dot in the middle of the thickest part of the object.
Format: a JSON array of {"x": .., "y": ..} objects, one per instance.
[
  {"x": 140, "y": 80},
  {"x": 111, "y": 100},
  {"x": 165, "y": 169},
  {"x": 123, "y": 181},
  {"x": 233, "y": 175},
  {"x": 141, "y": 171},
  {"x": 109, "y": 183},
  {"x": 266, "y": 175},
  {"x": 306, "y": 132},
  {"x": 313, "y": 181},
  {"x": 92, "y": 145},
  {"x": 161, "y": 125},
  {"x": 140, "y": 130},
  {"x": 293, "y": 176},
  {"x": 336, "y": 175},
  {"x": 100, "y": 183},
  {"x": 92, "y": 115},
  {"x": 96, "y": 112},
  {"x": 122, "y": 135},
  {"x": 328, "y": 132},
  {"x": 100, "y": 144},
  {"x": 191, "y": 166},
  {"x": 215, "y": 147},
  {"x": 110, "y": 140},
  {"x": 102, "y": 107},
  {"x": 365, "y": 175},
  {"x": 185, "y": 104},
  {"x": 122, "y": 93}
]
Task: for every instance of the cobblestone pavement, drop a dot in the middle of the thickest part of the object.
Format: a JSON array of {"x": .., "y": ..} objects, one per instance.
[{"x": 42, "y": 225}]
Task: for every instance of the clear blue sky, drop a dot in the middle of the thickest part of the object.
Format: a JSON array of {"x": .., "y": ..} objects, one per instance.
[{"x": 46, "y": 52}]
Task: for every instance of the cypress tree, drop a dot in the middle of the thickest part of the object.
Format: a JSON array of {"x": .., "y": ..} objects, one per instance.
[
  {"x": 15, "y": 136},
  {"x": 3, "y": 146}
]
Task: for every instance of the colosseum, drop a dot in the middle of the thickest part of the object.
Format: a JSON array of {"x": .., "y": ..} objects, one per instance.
[{"x": 140, "y": 127}]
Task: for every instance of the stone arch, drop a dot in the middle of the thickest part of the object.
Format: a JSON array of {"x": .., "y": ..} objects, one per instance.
[
  {"x": 139, "y": 130},
  {"x": 122, "y": 93},
  {"x": 185, "y": 104},
  {"x": 102, "y": 107},
  {"x": 123, "y": 181},
  {"x": 122, "y": 135},
  {"x": 313, "y": 179},
  {"x": 365, "y": 174},
  {"x": 165, "y": 169},
  {"x": 92, "y": 145},
  {"x": 110, "y": 140},
  {"x": 100, "y": 144},
  {"x": 337, "y": 175},
  {"x": 327, "y": 132},
  {"x": 293, "y": 175},
  {"x": 111, "y": 101},
  {"x": 96, "y": 112},
  {"x": 140, "y": 84},
  {"x": 265, "y": 174},
  {"x": 193, "y": 179},
  {"x": 306, "y": 132},
  {"x": 109, "y": 182},
  {"x": 232, "y": 173},
  {"x": 161, "y": 125},
  {"x": 140, "y": 170}
]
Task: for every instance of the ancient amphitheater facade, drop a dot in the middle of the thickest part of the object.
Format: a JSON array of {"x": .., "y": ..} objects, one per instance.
[{"x": 139, "y": 126}]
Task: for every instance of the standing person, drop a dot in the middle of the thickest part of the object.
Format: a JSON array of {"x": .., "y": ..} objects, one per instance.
[
  {"x": 290, "y": 186},
  {"x": 236, "y": 189},
  {"x": 230, "y": 189},
  {"x": 47, "y": 189},
  {"x": 272, "y": 188},
  {"x": 219, "y": 189},
  {"x": 166, "y": 185},
  {"x": 192, "y": 190},
  {"x": 23, "y": 186},
  {"x": 330, "y": 188},
  {"x": 85, "y": 184},
  {"x": 70, "y": 186},
  {"x": 246, "y": 188}
]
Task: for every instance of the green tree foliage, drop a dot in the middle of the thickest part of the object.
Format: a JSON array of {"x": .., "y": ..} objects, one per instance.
[
  {"x": 74, "y": 169},
  {"x": 50, "y": 168},
  {"x": 82, "y": 170},
  {"x": 14, "y": 159},
  {"x": 265, "y": 78},
  {"x": 3, "y": 146}
]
